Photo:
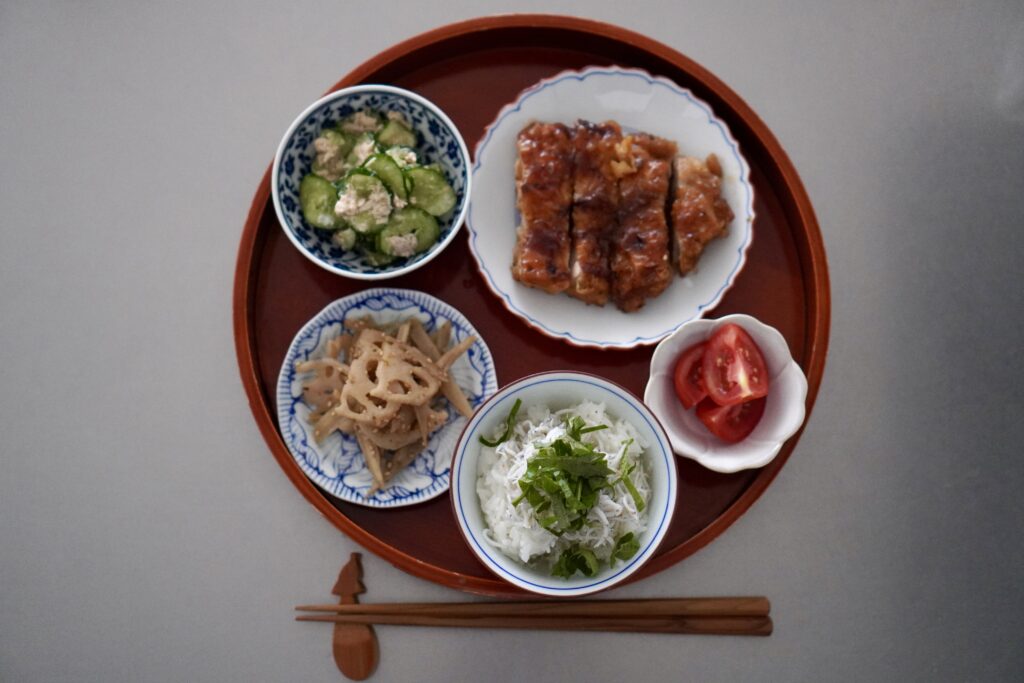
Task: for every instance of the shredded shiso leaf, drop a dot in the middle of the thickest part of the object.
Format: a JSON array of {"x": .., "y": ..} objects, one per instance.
[{"x": 509, "y": 422}]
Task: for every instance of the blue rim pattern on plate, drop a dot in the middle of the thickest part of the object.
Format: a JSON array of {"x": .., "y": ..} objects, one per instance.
[
  {"x": 654, "y": 81},
  {"x": 337, "y": 466},
  {"x": 653, "y": 537},
  {"x": 438, "y": 142}
]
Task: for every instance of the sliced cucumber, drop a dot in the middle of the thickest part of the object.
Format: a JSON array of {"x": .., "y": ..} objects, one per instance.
[
  {"x": 427, "y": 233},
  {"x": 430, "y": 191},
  {"x": 346, "y": 239},
  {"x": 355, "y": 171},
  {"x": 317, "y": 198},
  {"x": 364, "y": 202},
  {"x": 385, "y": 168},
  {"x": 365, "y": 183},
  {"x": 375, "y": 258},
  {"x": 396, "y": 133},
  {"x": 410, "y": 231}
]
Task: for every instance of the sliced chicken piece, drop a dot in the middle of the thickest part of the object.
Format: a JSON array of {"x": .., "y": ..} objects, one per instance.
[
  {"x": 699, "y": 212},
  {"x": 640, "y": 260},
  {"x": 595, "y": 203},
  {"x": 544, "y": 196}
]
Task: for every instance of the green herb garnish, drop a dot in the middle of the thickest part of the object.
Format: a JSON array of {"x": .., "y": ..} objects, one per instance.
[
  {"x": 626, "y": 547},
  {"x": 576, "y": 428},
  {"x": 509, "y": 423},
  {"x": 563, "y": 478},
  {"x": 627, "y": 482},
  {"x": 561, "y": 484},
  {"x": 575, "y": 559}
]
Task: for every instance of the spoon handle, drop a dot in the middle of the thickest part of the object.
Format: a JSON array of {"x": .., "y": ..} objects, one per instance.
[{"x": 354, "y": 645}]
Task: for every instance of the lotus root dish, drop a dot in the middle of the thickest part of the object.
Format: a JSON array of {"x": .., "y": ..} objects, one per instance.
[{"x": 388, "y": 386}]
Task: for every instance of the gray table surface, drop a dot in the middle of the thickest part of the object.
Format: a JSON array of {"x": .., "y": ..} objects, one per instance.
[{"x": 146, "y": 534}]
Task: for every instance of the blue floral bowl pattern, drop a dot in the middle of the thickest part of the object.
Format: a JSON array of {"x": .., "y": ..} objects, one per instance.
[
  {"x": 439, "y": 142},
  {"x": 337, "y": 465}
]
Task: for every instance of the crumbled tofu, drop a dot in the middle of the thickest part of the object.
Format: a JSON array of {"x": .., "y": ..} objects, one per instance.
[
  {"x": 361, "y": 122},
  {"x": 377, "y": 203},
  {"x": 329, "y": 163},
  {"x": 398, "y": 116},
  {"x": 403, "y": 156},
  {"x": 363, "y": 150},
  {"x": 402, "y": 245}
]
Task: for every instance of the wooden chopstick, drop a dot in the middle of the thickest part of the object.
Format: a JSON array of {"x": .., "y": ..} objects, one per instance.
[
  {"x": 707, "y": 625},
  {"x": 756, "y": 606}
]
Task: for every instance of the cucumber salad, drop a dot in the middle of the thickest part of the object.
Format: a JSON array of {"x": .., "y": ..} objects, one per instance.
[{"x": 369, "y": 188}]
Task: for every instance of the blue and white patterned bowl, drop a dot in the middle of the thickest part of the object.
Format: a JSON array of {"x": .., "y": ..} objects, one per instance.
[
  {"x": 439, "y": 142},
  {"x": 337, "y": 465}
]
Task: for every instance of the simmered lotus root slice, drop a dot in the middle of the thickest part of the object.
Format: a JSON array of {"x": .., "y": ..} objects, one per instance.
[
  {"x": 368, "y": 343},
  {"x": 357, "y": 401},
  {"x": 323, "y": 391},
  {"x": 406, "y": 375},
  {"x": 358, "y": 405}
]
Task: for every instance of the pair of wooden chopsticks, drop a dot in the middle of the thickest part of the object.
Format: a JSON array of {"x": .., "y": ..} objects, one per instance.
[{"x": 738, "y": 616}]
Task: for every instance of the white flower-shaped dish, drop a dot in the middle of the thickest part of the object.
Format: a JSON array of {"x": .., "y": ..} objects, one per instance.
[
  {"x": 337, "y": 465},
  {"x": 783, "y": 413},
  {"x": 639, "y": 102}
]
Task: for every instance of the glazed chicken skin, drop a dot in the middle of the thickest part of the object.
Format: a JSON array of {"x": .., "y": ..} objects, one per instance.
[
  {"x": 607, "y": 216},
  {"x": 594, "y": 209},
  {"x": 699, "y": 213},
  {"x": 640, "y": 265},
  {"x": 544, "y": 194}
]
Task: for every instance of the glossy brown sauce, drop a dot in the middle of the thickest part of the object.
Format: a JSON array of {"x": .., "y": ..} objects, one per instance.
[{"x": 544, "y": 191}]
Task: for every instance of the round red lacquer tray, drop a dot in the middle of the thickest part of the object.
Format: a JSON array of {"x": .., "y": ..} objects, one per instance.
[{"x": 471, "y": 70}]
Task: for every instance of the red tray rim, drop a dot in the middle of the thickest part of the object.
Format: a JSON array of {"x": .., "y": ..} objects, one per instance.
[{"x": 811, "y": 250}]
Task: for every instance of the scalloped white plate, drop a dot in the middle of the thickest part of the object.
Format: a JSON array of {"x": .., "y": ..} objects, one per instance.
[
  {"x": 639, "y": 102},
  {"x": 337, "y": 465}
]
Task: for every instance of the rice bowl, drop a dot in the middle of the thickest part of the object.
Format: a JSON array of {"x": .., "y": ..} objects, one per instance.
[
  {"x": 514, "y": 529},
  {"x": 528, "y": 548}
]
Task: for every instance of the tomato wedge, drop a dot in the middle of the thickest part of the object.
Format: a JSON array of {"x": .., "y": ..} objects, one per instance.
[
  {"x": 731, "y": 423},
  {"x": 734, "y": 369},
  {"x": 688, "y": 377}
]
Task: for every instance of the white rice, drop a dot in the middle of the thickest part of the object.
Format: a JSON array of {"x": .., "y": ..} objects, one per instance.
[{"x": 514, "y": 530}]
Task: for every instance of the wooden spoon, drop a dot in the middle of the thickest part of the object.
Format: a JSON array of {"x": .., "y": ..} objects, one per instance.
[{"x": 355, "y": 645}]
